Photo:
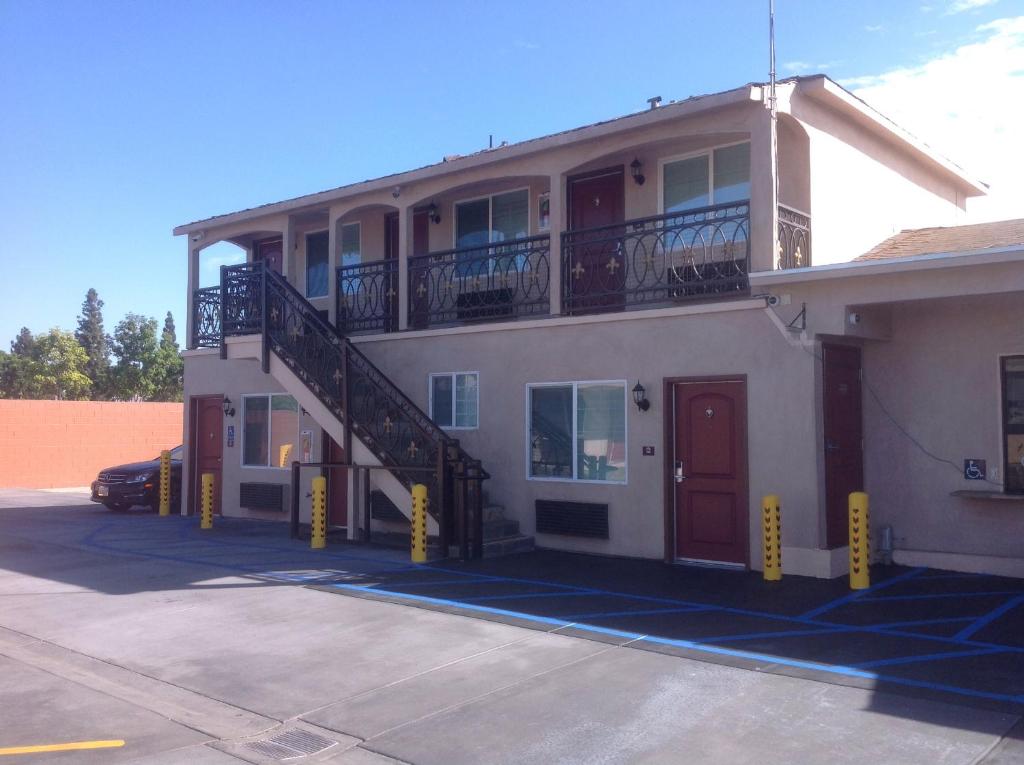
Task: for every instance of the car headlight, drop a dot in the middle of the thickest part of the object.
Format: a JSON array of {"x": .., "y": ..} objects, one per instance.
[{"x": 140, "y": 478}]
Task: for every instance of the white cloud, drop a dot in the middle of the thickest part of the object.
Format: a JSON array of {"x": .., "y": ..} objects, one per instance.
[
  {"x": 796, "y": 67},
  {"x": 959, "y": 6},
  {"x": 874, "y": 28},
  {"x": 967, "y": 105}
]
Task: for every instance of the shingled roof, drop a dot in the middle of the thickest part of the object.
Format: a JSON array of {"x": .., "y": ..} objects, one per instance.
[{"x": 930, "y": 241}]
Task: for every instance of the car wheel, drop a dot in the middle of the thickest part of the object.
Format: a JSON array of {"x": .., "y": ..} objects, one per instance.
[{"x": 117, "y": 507}]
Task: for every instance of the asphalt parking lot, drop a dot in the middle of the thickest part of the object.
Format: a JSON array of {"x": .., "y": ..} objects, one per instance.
[{"x": 203, "y": 646}]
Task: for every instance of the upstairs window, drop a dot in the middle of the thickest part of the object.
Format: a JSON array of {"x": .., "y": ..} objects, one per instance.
[
  {"x": 455, "y": 399},
  {"x": 1013, "y": 423},
  {"x": 497, "y": 218},
  {"x": 316, "y": 264},
  {"x": 718, "y": 177},
  {"x": 350, "y": 245}
]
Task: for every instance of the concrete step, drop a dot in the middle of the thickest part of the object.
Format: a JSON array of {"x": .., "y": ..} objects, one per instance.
[
  {"x": 500, "y": 529},
  {"x": 495, "y": 548}
]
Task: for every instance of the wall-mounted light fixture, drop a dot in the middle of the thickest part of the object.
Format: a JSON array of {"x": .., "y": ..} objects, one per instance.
[
  {"x": 198, "y": 236},
  {"x": 396, "y": 192},
  {"x": 433, "y": 213},
  {"x": 634, "y": 170},
  {"x": 229, "y": 410},
  {"x": 640, "y": 397}
]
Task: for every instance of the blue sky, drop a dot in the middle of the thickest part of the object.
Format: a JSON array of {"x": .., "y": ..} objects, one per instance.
[{"x": 120, "y": 120}]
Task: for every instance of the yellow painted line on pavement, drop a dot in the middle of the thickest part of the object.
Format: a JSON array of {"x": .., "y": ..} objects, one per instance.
[{"x": 69, "y": 747}]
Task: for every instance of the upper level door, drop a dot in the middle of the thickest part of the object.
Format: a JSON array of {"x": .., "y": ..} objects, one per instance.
[
  {"x": 844, "y": 450},
  {"x": 271, "y": 250},
  {"x": 709, "y": 476},
  {"x": 596, "y": 273}
]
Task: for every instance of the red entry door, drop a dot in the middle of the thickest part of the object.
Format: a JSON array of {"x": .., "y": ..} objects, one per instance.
[
  {"x": 207, "y": 446},
  {"x": 337, "y": 484},
  {"x": 271, "y": 250},
  {"x": 844, "y": 454},
  {"x": 596, "y": 272},
  {"x": 709, "y": 479},
  {"x": 419, "y": 287}
]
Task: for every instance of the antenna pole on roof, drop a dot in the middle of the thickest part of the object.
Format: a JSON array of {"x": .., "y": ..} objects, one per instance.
[{"x": 774, "y": 134}]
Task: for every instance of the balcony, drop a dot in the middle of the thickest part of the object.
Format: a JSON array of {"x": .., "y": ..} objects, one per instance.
[
  {"x": 693, "y": 255},
  {"x": 493, "y": 282},
  {"x": 794, "y": 238},
  {"x": 368, "y": 297}
]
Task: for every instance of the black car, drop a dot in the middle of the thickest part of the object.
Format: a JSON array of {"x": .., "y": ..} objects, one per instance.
[{"x": 123, "y": 486}]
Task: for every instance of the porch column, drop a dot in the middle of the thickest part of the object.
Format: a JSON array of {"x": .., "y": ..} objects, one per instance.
[
  {"x": 332, "y": 264},
  {"x": 763, "y": 201},
  {"x": 404, "y": 232},
  {"x": 193, "y": 285},
  {"x": 557, "y": 211}
]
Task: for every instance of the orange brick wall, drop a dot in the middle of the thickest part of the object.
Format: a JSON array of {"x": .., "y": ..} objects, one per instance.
[{"x": 62, "y": 444}]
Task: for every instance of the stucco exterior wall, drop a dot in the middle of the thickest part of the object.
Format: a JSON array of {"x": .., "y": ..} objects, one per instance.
[
  {"x": 939, "y": 379},
  {"x": 864, "y": 189},
  {"x": 780, "y": 387}
]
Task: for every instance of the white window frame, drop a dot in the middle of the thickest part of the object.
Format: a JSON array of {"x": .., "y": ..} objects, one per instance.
[
  {"x": 575, "y": 388},
  {"x": 710, "y": 154},
  {"x": 298, "y": 428},
  {"x": 305, "y": 262},
  {"x": 490, "y": 213},
  {"x": 453, "y": 375},
  {"x": 341, "y": 240}
]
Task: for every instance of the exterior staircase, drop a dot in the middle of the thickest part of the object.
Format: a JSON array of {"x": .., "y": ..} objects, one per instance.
[{"x": 354, "y": 401}]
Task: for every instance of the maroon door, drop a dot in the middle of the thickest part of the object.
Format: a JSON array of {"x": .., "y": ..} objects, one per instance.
[
  {"x": 418, "y": 282},
  {"x": 206, "y": 447},
  {"x": 709, "y": 476},
  {"x": 844, "y": 453},
  {"x": 337, "y": 484},
  {"x": 595, "y": 273},
  {"x": 270, "y": 250},
  {"x": 390, "y": 286}
]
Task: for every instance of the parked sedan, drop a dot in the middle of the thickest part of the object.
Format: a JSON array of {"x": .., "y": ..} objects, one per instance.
[{"x": 138, "y": 483}]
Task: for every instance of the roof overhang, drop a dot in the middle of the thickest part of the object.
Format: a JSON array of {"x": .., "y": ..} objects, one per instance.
[
  {"x": 824, "y": 90},
  {"x": 671, "y": 111}
]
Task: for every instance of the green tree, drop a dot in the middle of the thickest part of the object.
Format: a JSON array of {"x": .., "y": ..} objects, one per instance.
[
  {"x": 92, "y": 337},
  {"x": 60, "y": 370},
  {"x": 17, "y": 379},
  {"x": 135, "y": 348},
  {"x": 168, "y": 372}
]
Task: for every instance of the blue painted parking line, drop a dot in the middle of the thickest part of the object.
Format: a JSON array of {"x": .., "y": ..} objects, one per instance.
[
  {"x": 861, "y": 593},
  {"x": 648, "y": 612},
  {"x": 778, "y": 633},
  {"x": 941, "y": 595},
  {"x": 988, "y": 618},
  {"x": 694, "y": 645},
  {"x": 531, "y": 595},
  {"x": 926, "y": 657},
  {"x": 923, "y": 622}
]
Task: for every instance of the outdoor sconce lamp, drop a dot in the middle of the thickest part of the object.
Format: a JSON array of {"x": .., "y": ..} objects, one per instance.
[
  {"x": 433, "y": 214},
  {"x": 640, "y": 397},
  {"x": 634, "y": 169},
  {"x": 229, "y": 411}
]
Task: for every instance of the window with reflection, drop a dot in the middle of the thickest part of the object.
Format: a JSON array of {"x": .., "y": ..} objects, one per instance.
[{"x": 1013, "y": 423}]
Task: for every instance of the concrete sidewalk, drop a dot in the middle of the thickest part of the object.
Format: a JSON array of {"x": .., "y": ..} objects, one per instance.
[{"x": 193, "y": 647}]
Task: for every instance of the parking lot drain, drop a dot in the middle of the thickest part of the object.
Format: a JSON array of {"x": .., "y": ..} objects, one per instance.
[{"x": 291, "y": 745}]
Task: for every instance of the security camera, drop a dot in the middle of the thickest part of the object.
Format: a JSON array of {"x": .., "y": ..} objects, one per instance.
[
  {"x": 772, "y": 300},
  {"x": 396, "y": 192}
]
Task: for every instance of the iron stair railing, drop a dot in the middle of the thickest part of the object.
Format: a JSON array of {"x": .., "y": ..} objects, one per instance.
[{"x": 257, "y": 300}]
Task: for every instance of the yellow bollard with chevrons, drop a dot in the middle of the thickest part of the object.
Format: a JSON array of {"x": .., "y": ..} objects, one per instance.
[
  {"x": 165, "y": 482},
  {"x": 419, "y": 523},
  {"x": 771, "y": 524},
  {"x": 206, "y": 520},
  {"x": 318, "y": 516},
  {"x": 860, "y": 541}
]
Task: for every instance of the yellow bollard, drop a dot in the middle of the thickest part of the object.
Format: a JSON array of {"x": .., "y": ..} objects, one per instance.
[
  {"x": 284, "y": 455},
  {"x": 419, "y": 523},
  {"x": 206, "y": 521},
  {"x": 165, "y": 482},
  {"x": 860, "y": 544},
  {"x": 771, "y": 516},
  {"x": 318, "y": 517}
]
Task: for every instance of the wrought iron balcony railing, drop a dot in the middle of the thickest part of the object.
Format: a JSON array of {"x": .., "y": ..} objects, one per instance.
[
  {"x": 794, "y": 239},
  {"x": 492, "y": 282},
  {"x": 368, "y": 297},
  {"x": 688, "y": 255},
  {"x": 206, "y": 318}
]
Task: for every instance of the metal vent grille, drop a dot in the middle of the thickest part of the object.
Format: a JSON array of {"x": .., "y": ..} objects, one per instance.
[
  {"x": 261, "y": 496},
  {"x": 291, "y": 745},
  {"x": 572, "y": 519}
]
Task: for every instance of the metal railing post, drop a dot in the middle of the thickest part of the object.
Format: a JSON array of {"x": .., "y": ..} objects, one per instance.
[
  {"x": 295, "y": 500},
  {"x": 264, "y": 317},
  {"x": 478, "y": 510},
  {"x": 223, "y": 310}
]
